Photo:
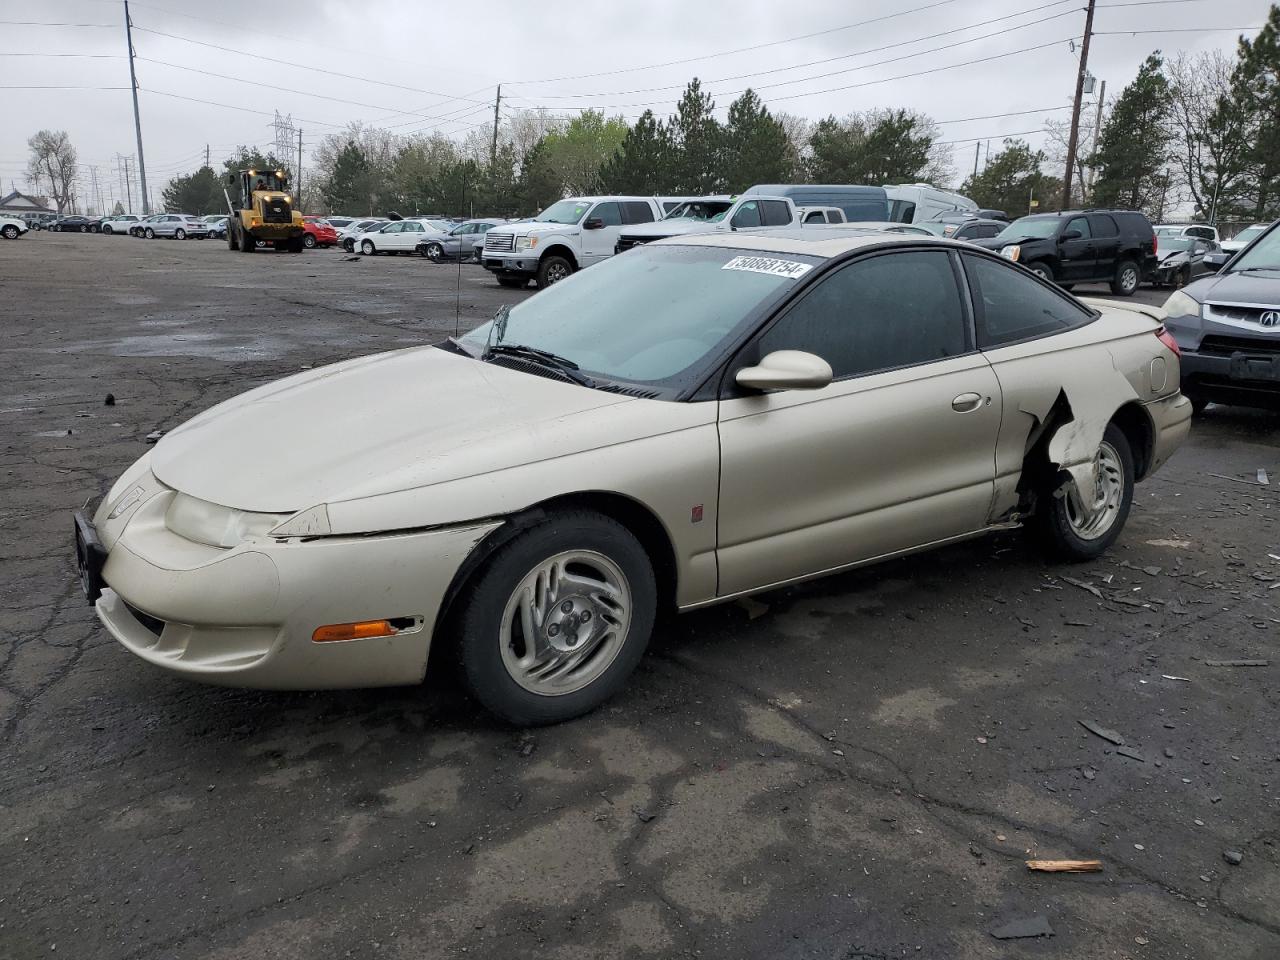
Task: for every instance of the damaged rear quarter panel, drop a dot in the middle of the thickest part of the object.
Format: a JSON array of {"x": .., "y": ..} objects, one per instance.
[{"x": 1096, "y": 368}]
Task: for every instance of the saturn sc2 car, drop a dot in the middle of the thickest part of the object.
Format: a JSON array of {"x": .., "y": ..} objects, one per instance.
[{"x": 703, "y": 418}]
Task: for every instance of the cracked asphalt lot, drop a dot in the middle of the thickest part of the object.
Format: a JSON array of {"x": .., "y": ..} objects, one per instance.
[{"x": 855, "y": 767}]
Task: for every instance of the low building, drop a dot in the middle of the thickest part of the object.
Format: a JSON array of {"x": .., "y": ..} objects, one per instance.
[{"x": 16, "y": 204}]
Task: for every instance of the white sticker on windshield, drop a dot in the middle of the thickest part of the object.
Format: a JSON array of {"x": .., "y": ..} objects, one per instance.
[{"x": 775, "y": 268}]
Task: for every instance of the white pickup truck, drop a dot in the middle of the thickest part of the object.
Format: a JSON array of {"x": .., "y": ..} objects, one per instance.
[
  {"x": 567, "y": 236},
  {"x": 724, "y": 213}
]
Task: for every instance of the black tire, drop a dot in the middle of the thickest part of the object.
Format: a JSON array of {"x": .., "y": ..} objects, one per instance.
[
  {"x": 247, "y": 243},
  {"x": 480, "y": 620},
  {"x": 553, "y": 269},
  {"x": 106, "y": 228},
  {"x": 1198, "y": 403},
  {"x": 1126, "y": 280},
  {"x": 179, "y": 234},
  {"x": 1067, "y": 286},
  {"x": 232, "y": 243},
  {"x": 84, "y": 229},
  {"x": 1184, "y": 277},
  {"x": 93, "y": 229},
  {"x": 1053, "y": 520},
  {"x": 295, "y": 244},
  {"x": 349, "y": 245},
  {"x": 149, "y": 233},
  {"x": 433, "y": 252},
  {"x": 512, "y": 283},
  {"x": 10, "y": 232},
  {"x": 309, "y": 241},
  {"x": 1042, "y": 270},
  {"x": 368, "y": 249}
]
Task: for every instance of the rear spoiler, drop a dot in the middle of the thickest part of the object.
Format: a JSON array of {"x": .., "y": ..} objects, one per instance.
[{"x": 1153, "y": 313}]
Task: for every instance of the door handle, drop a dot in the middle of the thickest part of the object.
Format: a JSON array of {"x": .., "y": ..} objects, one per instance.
[{"x": 966, "y": 403}]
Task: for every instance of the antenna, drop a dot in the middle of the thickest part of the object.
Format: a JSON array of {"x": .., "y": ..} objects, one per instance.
[{"x": 457, "y": 283}]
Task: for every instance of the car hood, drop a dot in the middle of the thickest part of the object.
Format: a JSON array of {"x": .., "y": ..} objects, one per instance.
[
  {"x": 1173, "y": 257},
  {"x": 1260, "y": 288},
  {"x": 535, "y": 229},
  {"x": 374, "y": 425},
  {"x": 669, "y": 228}
]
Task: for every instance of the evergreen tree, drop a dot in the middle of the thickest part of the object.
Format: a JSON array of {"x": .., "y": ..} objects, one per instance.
[
  {"x": 696, "y": 141},
  {"x": 1258, "y": 79},
  {"x": 198, "y": 194},
  {"x": 539, "y": 185},
  {"x": 1013, "y": 180},
  {"x": 1133, "y": 147},
  {"x": 641, "y": 166},
  {"x": 756, "y": 148},
  {"x": 347, "y": 190},
  {"x": 878, "y": 147}
]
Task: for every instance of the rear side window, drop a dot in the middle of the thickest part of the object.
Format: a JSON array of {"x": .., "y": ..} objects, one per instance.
[
  {"x": 887, "y": 311},
  {"x": 774, "y": 213},
  {"x": 1103, "y": 225},
  {"x": 1134, "y": 225},
  {"x": 608, "y": 212},
  {"x": 636, "y": 211},
  {"x": 1010, "y": 305},
  {"x": 814, "y": 216}
]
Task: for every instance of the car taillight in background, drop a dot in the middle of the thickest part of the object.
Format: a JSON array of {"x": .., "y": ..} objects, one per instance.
[
  {"x": 1155, "y": 243},
  {"x": 1166, "y": 338}
]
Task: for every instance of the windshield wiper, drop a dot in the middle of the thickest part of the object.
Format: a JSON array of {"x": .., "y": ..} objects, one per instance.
[
  {"x": 1254, "y": 269},
  {"x": 546, "y": 358}
]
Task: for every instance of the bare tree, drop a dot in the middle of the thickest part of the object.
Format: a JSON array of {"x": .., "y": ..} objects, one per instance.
[
  {"x": 1210, "y": 142},
  {"x": 797, "y": 129},
  {"x": 1057, "y": 138},
  {"x": 53, "y": 162}
]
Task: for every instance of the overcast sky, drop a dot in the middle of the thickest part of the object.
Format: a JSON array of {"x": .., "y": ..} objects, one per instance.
[{"x": 436, "y": 64}]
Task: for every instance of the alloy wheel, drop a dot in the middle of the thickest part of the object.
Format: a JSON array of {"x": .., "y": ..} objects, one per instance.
[{"x": 1092, "y": 520}]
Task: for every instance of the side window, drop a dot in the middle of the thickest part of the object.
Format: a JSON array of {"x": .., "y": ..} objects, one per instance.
[
  {"x": 748, "y": 215},
  {"x": 1010, "y": 305},
  {"x": 636, "y": 211},
  {"x": 1103, "y": 225},
  {"x": 775, "y": 213},
  {"x": 902, "y": 211},
  {"x": 1080, "y": 225},
  {"x": 395, "y": 227},
  {"x": 892, "y": 310},
  {"x": 608, "y": 212},
  {"x": 483, "y": 227},
  {"x": 1204, "y": 233},
  {"x": 814, "y": 216},
  {"x": 988, "y": 230}
]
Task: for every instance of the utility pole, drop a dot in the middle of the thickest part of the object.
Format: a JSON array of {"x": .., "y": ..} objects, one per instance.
[
  {"x": 297, "y": 180},
  {"x": 137, "y": 120},
  {"x": 97, "y": 194},
  {"x": 493, "y": 150},
  {"x": 1073, "y": 140},
  {"x": 128, "y": 185},
  {"x": 1097, "y": 132},
  {"x": 977, "y": 149},
  {"x": 206, "y": 155}
]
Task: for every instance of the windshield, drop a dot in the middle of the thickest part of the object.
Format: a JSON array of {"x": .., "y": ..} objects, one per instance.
[
  {"x": 657, "y": 316},
  {"x": 1168, "y": 231},
  {"x": 1247, "y": 234},
  {"x": 1174, "y": 244},
  {"x": 1030, "y": 228},
  {"x": 1263, "y": 255},
  {"x": 566, "y": 211},
  {"x": 938, "y": 229},
  {"x": 700, "y": 210},
  {"x": 439, "y": 226}
]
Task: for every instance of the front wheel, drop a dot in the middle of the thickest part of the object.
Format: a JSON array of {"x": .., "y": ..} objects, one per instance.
[
  {"x": 1041, "y": 270},
  {"x": 149, "y": 234},
  {"x": 1125, "y": 282},
  {"x": 558, "y": 619},
  {"x": 10, "y": 232},
  {"x": 434, "y": 252},
  {"x": 107, "y": 229},
  {"x": 84, "y": 229},
  {"x": 553, "y": 269},
  {"x": 368, "y": 249},
  {"x": 1079, "y": 525}
]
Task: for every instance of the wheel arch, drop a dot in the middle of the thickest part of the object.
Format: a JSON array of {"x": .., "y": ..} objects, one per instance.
[
  {"x": 560, "y": 250},
  {"x": 1135, "y": 423}
]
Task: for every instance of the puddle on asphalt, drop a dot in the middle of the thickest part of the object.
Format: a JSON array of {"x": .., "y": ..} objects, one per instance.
[
  {"x": 207, "y": 345},
  {"x": 55, "y": 433}
]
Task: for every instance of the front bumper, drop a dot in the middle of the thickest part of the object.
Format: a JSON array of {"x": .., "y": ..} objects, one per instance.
[
  {"x": 245, "y": 616},
  {"x": 1247, "y": 377},
  {"x": 520, "y": 262},
  {"x": 1171, "y": 422}
]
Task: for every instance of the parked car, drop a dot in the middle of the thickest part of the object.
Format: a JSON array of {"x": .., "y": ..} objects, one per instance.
[
  {"x": 1243, "y": 238},
  {"x": 217, "y": 225},
  {"x": 1183, "y": 259},
  {"x": 870, "y": 204},
  {"x": 464, "y": 241},
  {"x": 139, "y": 229},
  {"x": 1082, "y": 246},
  {"x": 120, "y": 223},
  {"x": 714, "y": 214},
  {"x": 1228, "y": 328},
  {"x": 627, "y": 442},
  {"x": 893, "y": 226},
  {"x": 11, "y": 228},
  {"x": 318, "y": 233},
  {"x": 42, "y": 221},
  {"x": 960, "y": 226},
  {"x": 347, "y": 235},
  {"x": 567, "y": 236},
  {"x": 1201, "y": 231},
  {"x": 175, "y": 226},
  {"x": 914, "y": 202},
  {"x": 806, "y": 215},
  {"x": 71, "y": 224},
  {"x": 339, "y": 222},
  {"x": 400, "y": 236}
]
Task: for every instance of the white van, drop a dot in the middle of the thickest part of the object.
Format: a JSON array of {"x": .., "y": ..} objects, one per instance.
[{"x": 915, "y": 202}]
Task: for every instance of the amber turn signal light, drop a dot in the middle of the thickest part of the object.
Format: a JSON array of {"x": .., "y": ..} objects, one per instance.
[{"x": 362, "y": 630}]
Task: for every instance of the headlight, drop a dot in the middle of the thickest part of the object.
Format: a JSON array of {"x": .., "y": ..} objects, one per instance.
[
  {"x": 1012, "y": 252},
  {"x": 1180, "y": 304},
  {"x": 216, "y": 525},
  {"x": 526, "y": 243}
]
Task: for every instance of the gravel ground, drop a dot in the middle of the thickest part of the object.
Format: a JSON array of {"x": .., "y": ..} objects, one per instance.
[{"x": 856, "y": 767}]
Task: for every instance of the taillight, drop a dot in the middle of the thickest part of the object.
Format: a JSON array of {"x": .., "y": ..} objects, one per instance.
[
  {"x": 1167, "y": 339},
  {"x": 1155, "y": 243}
]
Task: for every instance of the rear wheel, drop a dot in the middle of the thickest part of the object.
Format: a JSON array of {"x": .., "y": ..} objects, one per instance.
[
  {"x": 553, "y": 269},
  {"x": 232, "y": 243},
  {"x": 1126, "y": 279},
  {"x": 84, "y": 229},
  {"x": 557, "y": 619},
  {"x": 309, "y": 241},
  {"x": 1080, "y": 525},
  {"x": 149, "y": 234},
  {"x": 179, "y": 234},
  {"x": 296, "y": 244}
]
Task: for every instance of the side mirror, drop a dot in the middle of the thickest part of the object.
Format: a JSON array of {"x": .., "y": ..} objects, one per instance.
[
  {"x": 1072, "y": 235},
  {"x": 786, "y": 370},
  {"x": 593, "y": 223}
]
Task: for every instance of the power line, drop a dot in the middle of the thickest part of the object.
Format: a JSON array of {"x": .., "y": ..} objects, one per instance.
[
  {"x": 87, "y": 56},
  {"x": 45, "y": 23},
  {"x": 1135, "y": 33},
  {"x": 56, "y": 87}
]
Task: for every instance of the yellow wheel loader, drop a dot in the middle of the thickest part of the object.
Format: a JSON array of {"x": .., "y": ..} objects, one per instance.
[{"x": 265, "y": 214}]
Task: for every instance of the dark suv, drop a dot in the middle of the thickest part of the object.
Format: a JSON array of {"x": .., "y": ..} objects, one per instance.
[{"x": 1082, "y": 246}]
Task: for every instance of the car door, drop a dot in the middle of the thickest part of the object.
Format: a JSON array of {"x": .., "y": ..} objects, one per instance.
[
  {"x": 1106, "y": 244},
  {"x": 1076, "y": 257},
  {"x": 601, "y": 228},
  {"x": 410, "y": 235},
  {"x": 896, "y": 452},
  {"x": 390, "y": 238}
]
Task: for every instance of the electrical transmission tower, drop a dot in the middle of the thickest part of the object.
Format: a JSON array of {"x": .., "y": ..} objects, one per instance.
[{"x": 286, "y": 137}]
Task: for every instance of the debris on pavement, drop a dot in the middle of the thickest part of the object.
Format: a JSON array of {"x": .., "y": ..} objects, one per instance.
[
  {"x": 154, "y": 435},
  {"x": 1237, "y": 663},
  {"x": 1170, "y": 676},
  {"x": 1173, "y": 544},
  {"x": 1099, "y": 731},
  {"x": 644, "y": 816},
  {"x": 1083, "y": 585},
  {"x": 1263, "y": 478},
  {"x": 754, "y": 608},
  {"x": 1131, "y": 754},
  {"x": 1065, "y": 866},
  {"x": 1233, "y": 857},
  {"x": 110, "y": 401},
  {"x": 1023, "y": 927},
  {"x": 1252, "y": 483}
]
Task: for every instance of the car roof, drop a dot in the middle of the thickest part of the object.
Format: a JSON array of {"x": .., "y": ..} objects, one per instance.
[{"x": 831, "y": 241}]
